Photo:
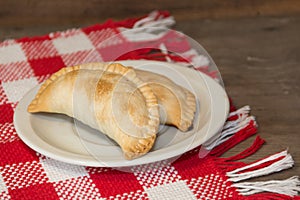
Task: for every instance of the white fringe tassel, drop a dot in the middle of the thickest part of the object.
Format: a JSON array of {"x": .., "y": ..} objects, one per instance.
[
  {"x": 148, "y": 28},
  {"x": 150, "y": 21},
  {"x": 232, "y": 127},
  {"x": 289, "y": 187},
  {"x": 285, "y": 163}
]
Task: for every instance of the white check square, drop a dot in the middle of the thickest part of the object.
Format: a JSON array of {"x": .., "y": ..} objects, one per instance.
[
  {"x": 15, "y": 90},
  {"x": 60, "y": 171},
  {"x": 11, "y": 53},
  {"x": 73, "y": 43},
  {"x": 77, "y": 188},
  {"x": 169, "y": 191}
]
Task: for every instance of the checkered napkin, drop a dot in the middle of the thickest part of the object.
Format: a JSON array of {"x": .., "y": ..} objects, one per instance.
[{"x": 26, "y": 174}]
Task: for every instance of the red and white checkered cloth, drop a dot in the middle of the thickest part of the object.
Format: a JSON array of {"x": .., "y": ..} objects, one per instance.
[{"x": 25, "y": 174}]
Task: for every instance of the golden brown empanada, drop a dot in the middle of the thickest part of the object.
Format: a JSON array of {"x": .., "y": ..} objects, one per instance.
[
  {"x": 177, "y": 104},
  {"x": 107, "y": 97}
]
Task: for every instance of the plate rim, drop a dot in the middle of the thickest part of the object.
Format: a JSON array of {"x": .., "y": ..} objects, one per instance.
[{"x": 85, "y": 160}]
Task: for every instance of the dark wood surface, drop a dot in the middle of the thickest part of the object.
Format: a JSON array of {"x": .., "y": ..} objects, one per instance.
[
  {"x": 34, "y": 12},
  {"x": 259, "y": 59}
]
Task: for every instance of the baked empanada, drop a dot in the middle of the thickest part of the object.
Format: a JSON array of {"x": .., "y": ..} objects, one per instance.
[
  {"x": 107, "y": 97},
  {"x": 177, "y": 104}
]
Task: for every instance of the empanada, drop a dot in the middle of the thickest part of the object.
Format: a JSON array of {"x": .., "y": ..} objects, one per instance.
[
  {"x": 177, "y": 104},
  {"x": 107, "y": 97}
]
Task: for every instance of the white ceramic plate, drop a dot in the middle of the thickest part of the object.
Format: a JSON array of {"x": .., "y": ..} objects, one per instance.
[{"x": 64, "y": 139}]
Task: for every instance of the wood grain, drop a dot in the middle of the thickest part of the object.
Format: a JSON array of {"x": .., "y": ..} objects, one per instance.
[
  {"x": 259, "y": 61},
  {"x": 258, "y": 57},
  {"x": 34, "y": 12}
]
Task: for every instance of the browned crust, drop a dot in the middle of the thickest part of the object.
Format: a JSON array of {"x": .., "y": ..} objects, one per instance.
[{"x": 139, "y": 146}]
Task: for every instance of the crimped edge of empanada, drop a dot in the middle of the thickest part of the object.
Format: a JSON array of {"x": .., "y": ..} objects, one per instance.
[
  {"x": 144, "y": 144},
  {"x": 187, "y": 108},
  {"x": 187, "y": 117}
]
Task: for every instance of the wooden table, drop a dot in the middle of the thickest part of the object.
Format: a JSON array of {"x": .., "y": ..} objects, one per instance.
[{"x": 259, "y": 59}]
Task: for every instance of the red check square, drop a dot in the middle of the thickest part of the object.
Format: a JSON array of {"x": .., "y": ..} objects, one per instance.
[
  {"x": 113, "y": 182},
  {"x": 7, "y": 113},
  {"x": 39, "y": 191},
  {"x": 46, "y": 65},
  {"x": 16, "y": 152}
]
